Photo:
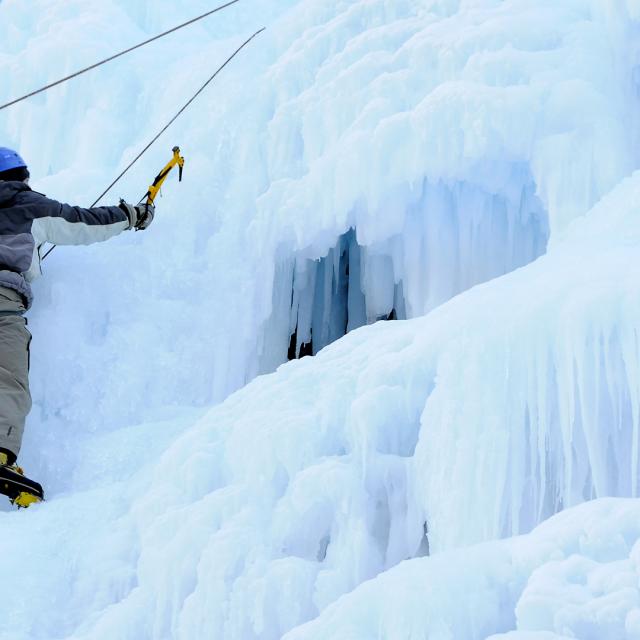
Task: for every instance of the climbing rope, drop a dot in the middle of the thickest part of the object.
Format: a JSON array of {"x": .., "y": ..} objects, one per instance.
[
  {"x": 182, "y": 110},
  {"x": 117, "y": 55}
]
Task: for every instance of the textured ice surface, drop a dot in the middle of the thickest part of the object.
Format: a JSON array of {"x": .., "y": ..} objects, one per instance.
[
  {"x": 575, "y": 576},
  {"x": 456, "y": 138},
  {"x": 319, "y": 477},
  {"x": 448, "y": 134}
]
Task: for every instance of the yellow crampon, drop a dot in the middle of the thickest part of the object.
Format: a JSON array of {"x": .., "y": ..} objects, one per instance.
[
  {"x": 20, "y": 490},
  {"x": 176, "y": 161},
  {"x": 24, "y": 499}
]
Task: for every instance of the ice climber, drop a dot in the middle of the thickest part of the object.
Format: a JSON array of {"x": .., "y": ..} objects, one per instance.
[{"x": 28, "y": 220}]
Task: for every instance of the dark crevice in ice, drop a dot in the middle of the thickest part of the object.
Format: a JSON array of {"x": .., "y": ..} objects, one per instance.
[{"x": 453, "y": 237}]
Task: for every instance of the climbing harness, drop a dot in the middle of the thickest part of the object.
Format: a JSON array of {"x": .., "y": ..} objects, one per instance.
[
  {"x": 180, "y": 112},
  {"x": 117, "y": 55}
]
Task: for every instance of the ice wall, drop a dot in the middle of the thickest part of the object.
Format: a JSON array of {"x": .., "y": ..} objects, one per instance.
[
  {"x": 512, "y": 400},
  {"x": 339, "y": 118},
  {"x": 477, "y": 421},
  {"x": 574, "y": 577},
  {"x": 400, "y": 439}
]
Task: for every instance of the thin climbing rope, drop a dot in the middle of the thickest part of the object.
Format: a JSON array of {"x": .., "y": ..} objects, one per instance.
[
  {"x": 182, "y": 110},
  {"x": 117, "y": 55}
]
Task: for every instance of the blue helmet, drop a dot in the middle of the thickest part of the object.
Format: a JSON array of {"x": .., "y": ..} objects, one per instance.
[{"x": 10, "y": 159}]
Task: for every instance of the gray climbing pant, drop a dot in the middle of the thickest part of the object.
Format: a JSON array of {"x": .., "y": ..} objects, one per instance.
[{"x": 15, "y": 399}]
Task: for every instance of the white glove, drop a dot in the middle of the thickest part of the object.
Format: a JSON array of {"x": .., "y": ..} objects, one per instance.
[{"x": 140, "y": 215}]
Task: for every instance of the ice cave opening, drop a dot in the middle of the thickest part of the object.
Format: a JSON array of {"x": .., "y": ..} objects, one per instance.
[{"x": 448, "y": 239}]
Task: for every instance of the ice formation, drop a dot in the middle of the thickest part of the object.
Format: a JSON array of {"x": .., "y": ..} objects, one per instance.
[
  {"x": 364, "y": 160},
  {"x": 451, "y": 239},
  {"x": 575, "y": 576}
]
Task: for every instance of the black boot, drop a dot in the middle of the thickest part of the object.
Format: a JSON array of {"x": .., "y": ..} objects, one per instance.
[{"x": 15, "y": 485}]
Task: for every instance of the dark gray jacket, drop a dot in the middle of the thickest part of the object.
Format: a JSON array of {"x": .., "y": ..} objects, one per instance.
[{"x": 28, "y": 220}]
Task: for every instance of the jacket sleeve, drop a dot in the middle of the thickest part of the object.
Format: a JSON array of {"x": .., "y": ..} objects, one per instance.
[{"x": 59, "y": 223}]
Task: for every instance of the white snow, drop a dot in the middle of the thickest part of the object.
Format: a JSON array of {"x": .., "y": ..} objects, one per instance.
[{"x": 442, "y": 147}]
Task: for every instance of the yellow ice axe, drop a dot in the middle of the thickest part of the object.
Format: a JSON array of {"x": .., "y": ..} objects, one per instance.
[{"x": 176, "y": 161}]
